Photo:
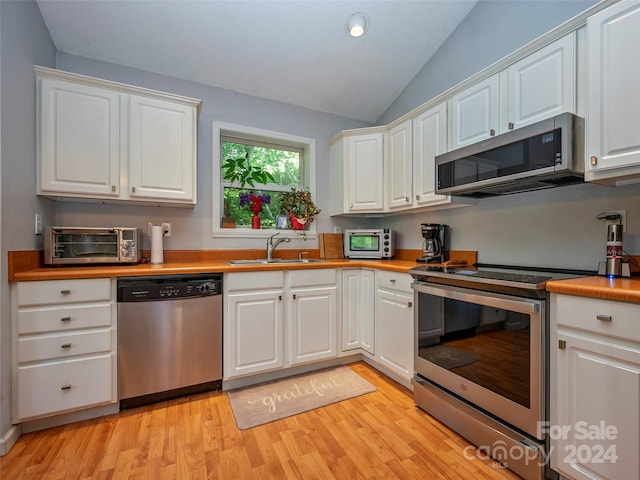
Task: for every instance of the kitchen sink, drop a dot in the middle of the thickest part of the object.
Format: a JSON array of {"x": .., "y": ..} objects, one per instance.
[{"x": 262, "y": 261}]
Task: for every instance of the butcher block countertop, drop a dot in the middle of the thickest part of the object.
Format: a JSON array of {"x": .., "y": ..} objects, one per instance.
[
  {"x": 27, "y": 265},
  {"x": 620, "y": 289}
]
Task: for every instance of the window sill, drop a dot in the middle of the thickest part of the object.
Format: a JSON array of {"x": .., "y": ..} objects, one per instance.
[{"x": 245, "y": 232}]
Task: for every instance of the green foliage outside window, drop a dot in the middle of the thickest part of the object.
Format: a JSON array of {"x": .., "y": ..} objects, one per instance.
[{"x": 278, "y": 169}]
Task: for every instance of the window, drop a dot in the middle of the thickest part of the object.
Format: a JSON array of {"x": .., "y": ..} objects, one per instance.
[{"x": 290, "y": 161}]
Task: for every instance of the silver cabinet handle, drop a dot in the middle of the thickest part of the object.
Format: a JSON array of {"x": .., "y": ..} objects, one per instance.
[
  {"x": 66, "y": 387},
  {"x": 510, "y": 125},
  {"x": 65, "y": 345},
  {"x": 417, "y": 197},
  {"x": 594, "y": 160},
  {"x": 392, "y": 280},
  {"x": 604, "y": 318},
  {"x": 406, "y": 199},
  {"x": 113, "y": 188},
  {"x": 351, "y": 205},
  {"x": 65, "y": 292},
  {"x": 65, "y": 319},
  {"x": 409, "y": 304},
  {"x": 133, "y": 189},
  {"x": 492, "y": 132}
]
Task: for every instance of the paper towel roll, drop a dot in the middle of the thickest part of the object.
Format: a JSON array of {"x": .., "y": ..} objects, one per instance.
[{"x": 157, "y": 235}]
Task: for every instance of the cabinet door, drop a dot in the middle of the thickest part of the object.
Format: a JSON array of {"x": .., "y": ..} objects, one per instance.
[
  {"x": 365, "y": 178},
  {"x": 398, "y": 172},
  {"x": 358, "y": 310},
  {"x": 162, "y": 150},
  {"x": 542, "y": 85},
  {"x": 595, "y": 407},
  {"x": 253, "y": 331},
  {"x": 613, "y": 123},
  {"x": 312, "y": 335},
  {"x": 429, "y": 140},
  {"x": 474, "y": 113},
  {"x": 394, "y": 332},
  {"x": 79, "y": 140}
]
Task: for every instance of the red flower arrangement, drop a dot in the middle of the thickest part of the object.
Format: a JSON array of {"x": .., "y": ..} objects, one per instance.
[{"x": 255, "y": 203}]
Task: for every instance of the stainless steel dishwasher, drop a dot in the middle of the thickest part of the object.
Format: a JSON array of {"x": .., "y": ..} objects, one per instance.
[{"x": 169, "y": 337}]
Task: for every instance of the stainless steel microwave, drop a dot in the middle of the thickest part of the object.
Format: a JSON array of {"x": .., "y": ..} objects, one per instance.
[
  {"x": 86, "y": 245},
  {"x": 371, "y": 243},
  {"x": 546, "y": 154}
]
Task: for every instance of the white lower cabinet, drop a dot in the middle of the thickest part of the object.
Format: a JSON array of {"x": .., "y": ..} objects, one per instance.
[
  {"x": 394, "y": 323},
  {"x": 358, "y": 310},
  {"x": 277, "y": 319},
  {"x": 64, "y": 346},
  {"x": 595, "y": 388}
]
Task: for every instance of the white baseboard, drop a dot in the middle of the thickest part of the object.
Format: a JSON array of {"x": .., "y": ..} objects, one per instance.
[{"x": 9, "y": 439}]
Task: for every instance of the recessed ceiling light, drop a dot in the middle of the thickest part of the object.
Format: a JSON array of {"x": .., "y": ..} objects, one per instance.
[{"x": 357, "y": 24}]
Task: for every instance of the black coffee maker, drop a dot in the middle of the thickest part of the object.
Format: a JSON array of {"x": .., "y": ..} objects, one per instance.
[{"x": 435, "y": 247}]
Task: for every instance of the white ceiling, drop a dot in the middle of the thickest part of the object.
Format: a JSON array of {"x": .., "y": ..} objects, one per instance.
[{"x": 294, "y": 51}]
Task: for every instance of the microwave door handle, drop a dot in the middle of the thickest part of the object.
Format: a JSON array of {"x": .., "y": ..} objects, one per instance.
[{"x": 520, "y": 306}]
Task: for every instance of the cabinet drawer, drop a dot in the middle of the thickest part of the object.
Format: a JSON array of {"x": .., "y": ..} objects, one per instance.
[
  {"x": 254, "y": 280},
  {"x": 52, "y": 347},
  {"x": 60, "y": 386},
  {"x": 394, "y": 281},
  {"x": 605, "y": 317},
  {"x": 62, "y": 319},
  {"x": 63, "y": 291},
  {"x": 303, "y": 278}
]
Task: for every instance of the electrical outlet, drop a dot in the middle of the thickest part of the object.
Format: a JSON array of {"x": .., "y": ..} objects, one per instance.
[
  {"x": 623, "y": 218},
  {"x": 337, "y": 230},
  {"x": 38, "y": 224},
  {"x": 166, "y": 228}
]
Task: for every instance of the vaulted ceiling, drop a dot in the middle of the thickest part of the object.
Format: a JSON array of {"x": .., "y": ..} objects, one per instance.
[{"x": 294, "y": 51}]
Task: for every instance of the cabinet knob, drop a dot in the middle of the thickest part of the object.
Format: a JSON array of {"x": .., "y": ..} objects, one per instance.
[
  {"x": 409, "y": 304},
  {"x": 594, "y": 160},
  {"x": 133, "y": 189},
  {"x": 65, "y": 345},
  {"x": 66, "y": 387},
  {"x": 392, "y": 280},
  {"x": 294, "y": 296},
  {"x": 351, "y": 205},
  {"x": 113, "y": 188},
  {"x": 562, "y": 344},
  {"x": 418, "y": 197},
  {"x": 492, "y": 132},
  {"x": 510, "y": 125},
  {"x": 65, "y": 292},
  {"x": 604, "y": 318},
  {"x": 65, "y": 319},
  {"x": 279, "y": 297},
  {"x": 406, "y": 199}
]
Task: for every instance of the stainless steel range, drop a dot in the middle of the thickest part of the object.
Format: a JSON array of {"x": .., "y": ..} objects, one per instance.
[{"x": 482, "y": 358}]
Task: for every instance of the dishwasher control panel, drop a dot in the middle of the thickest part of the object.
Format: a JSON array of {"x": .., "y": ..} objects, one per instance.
[{"x": 170, "y": 287}]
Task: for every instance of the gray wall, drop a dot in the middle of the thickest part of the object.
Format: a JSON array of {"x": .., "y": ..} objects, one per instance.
[{"x": 24, "y": 42}]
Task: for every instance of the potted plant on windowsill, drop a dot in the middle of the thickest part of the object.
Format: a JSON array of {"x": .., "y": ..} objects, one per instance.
[
  {"x": 300, "y": 208},
  {"x": 239, "y": 172}
]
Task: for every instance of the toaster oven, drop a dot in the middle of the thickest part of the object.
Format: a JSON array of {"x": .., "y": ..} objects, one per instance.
[{"x": 86, "y": 245}]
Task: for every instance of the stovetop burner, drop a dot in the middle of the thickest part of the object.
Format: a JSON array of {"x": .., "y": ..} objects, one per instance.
[{"x": 488, "y": 275}]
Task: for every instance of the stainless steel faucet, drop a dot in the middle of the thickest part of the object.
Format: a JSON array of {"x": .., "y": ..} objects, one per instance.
[{"x": 271, "y": 244}]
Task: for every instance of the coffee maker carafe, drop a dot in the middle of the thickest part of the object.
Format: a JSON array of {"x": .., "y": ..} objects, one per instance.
[{"x": 435, "y": 246}]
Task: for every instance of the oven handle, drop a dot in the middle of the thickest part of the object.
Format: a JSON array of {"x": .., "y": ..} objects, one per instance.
[{"x": 514, "y": 304}]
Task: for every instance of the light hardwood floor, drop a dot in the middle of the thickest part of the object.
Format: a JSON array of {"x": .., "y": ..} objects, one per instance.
[{"x": 381, "y": 435}]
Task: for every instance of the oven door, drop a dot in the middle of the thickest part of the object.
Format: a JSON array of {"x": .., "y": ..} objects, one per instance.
[{"x": 485, "y": 348}]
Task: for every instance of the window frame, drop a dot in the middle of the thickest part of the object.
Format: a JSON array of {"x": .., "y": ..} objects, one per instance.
[{"x": 307, "y": 175}]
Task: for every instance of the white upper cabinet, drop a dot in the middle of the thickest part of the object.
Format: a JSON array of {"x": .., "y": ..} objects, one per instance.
[
  {"x": 613, "y": 122},
  {"x": 541, "y": 85},
  {"x": 161, "y": 150},
  {"x": 108, "y": 141},
  {"x": 398, "y": 171},
  {"x": 474, "y": 113},
  {"x": 79, "y": 156},
  {"x": 357, "y": 181},
  {"x": 429, "y": 140}
]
